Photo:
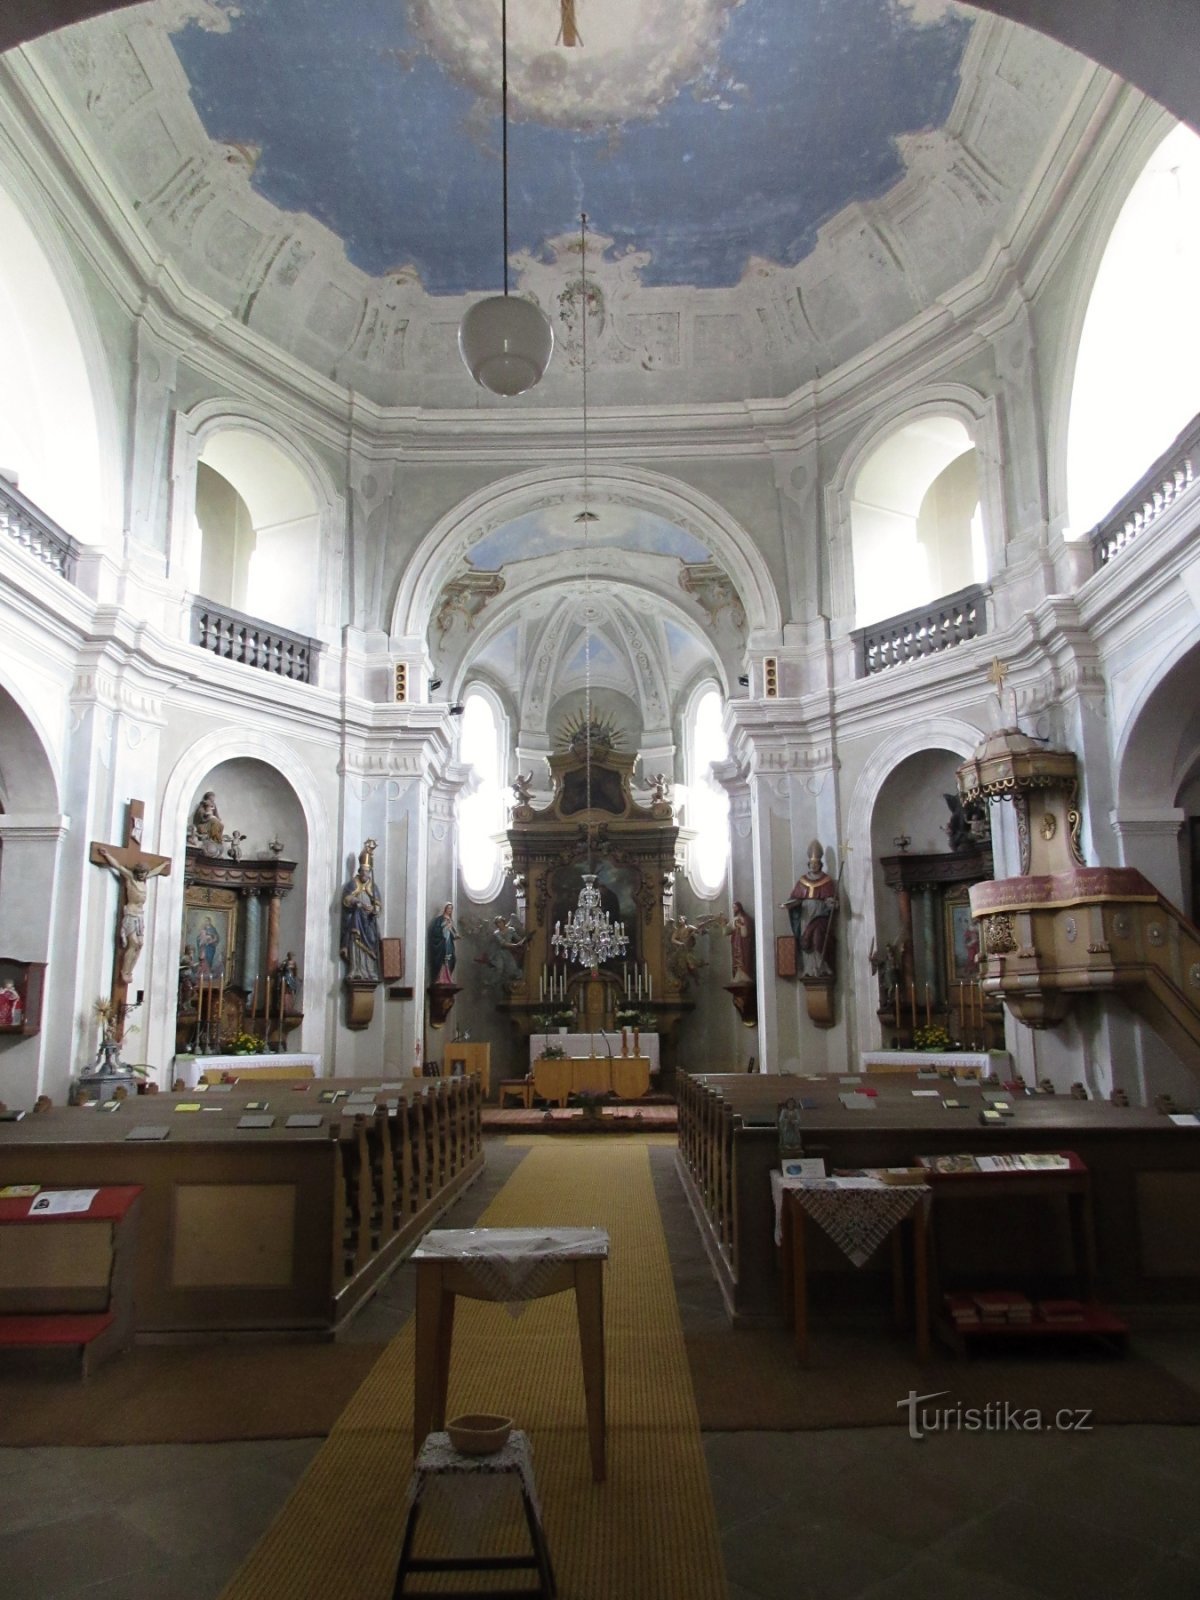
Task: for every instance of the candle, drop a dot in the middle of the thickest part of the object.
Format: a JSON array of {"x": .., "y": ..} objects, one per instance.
[
  {"x": 254, "y": 1000},
  {"x": 928, "y": 1016},
  {"x": 220, "y": 1007},
  {"x": 896, "y": 995},
  {"x": 639, "y": 984},
  {"x": 649, "y": 986},
  {"x": 912, "y": 1000}
]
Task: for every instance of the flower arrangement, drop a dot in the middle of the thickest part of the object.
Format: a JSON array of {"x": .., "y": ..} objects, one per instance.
[
  {"x": 932, "y": 1037},
  {"x": 628, "y": 1017},
  {"x": 543, "y": 1021},
  {"x": 552, "y": 1052},
  {"x": 246, "y": 1044}
]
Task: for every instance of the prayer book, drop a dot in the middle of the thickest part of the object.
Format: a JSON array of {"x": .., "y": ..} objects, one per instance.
[
  {"x": 149, "y": 1131},
  {"x": 256, "y": 1122},
  {"x": 190, "y": 1106},
  {"x": 257, "y": 1105},
  {"x": 302, "y": 1119},
  {"x": 990, "y": 1116},
  {"x": 956, "y": 1163},
  {"x": 953, "y": 1105},
  {"x": 19, "y": 1191},
  {"x": 857, "y": 1102},
  {"x": 111, "y": 1105}
]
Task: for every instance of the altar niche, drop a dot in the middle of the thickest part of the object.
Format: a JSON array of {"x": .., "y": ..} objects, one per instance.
[
  {"x": 233, "y": 976},
  {"x": 631, "y": 850}
]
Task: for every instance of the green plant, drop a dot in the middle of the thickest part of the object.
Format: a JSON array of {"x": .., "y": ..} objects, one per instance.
[
  {"x": 932, "y": 1037},
  {"x": 553, "y": 1052},
  {"x": 246, "y": 1044}
]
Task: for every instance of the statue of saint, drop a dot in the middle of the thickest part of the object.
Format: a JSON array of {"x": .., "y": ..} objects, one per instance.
[
  {"x": 131, "y": 930},
  {"x": 207, "y": 830},
  {"x": 741, "y": 943},
  {"x": 361, "y": 908},
  {"x": 443, "y": 936},
  {"x": 810, "y": 908},
  {"x": 508, "y": 950}
]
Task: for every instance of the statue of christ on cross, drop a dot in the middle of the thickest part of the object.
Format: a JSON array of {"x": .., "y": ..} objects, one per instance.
[{"x": 134, "y": 868}]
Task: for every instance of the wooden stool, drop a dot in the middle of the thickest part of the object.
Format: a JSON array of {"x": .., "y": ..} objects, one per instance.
[
  {"x": 521, "y": 1087},
  {"x": 439, "y": 1458}
]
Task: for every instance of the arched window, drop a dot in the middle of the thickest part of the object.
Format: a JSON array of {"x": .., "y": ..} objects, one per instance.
[
  {"x": 49, "y": 437},
  {"x": 1137, "y": 375},
  {"x": 916, "y": 521},
  {"x": 481, "y": 815},
  {"x": 707, "y": 803},
  {"x": 258, "y": 522}
]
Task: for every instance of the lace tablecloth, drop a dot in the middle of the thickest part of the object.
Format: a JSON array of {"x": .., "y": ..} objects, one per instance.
[
  {"x": 856, "y": 1213},
  {"x": 512, "y": 1263}
]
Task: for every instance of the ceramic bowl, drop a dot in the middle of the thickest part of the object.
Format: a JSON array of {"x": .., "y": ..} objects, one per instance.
[{"x": 479, "y": 1435}]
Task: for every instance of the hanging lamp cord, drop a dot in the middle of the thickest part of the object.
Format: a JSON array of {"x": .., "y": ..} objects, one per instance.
[
  {"x": 587, "y": 553},
  {"x": 504, "y": 123}
]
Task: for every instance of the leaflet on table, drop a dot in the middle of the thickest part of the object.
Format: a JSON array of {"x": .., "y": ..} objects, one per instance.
[
  {"x": 61, "y": 1202},
  {"x": 804, "y": 1167}
]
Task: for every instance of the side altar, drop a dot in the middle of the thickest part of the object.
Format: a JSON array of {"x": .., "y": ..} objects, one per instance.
[{"x": 631, "y": 849}]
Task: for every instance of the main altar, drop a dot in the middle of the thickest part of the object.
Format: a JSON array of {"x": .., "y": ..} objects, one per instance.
[{"x": 631, "y": 849}]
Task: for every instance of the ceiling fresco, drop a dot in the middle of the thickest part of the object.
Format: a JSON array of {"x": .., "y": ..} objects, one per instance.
[
  {"x": 549, "y": 532},
  {"x": 704, "y": 135}
]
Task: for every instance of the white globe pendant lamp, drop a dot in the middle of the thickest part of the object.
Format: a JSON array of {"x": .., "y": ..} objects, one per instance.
[{"x": 505, "y": 342}]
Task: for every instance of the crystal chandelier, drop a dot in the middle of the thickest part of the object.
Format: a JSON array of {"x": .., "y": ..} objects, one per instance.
[{"x": 590, "y": 935}]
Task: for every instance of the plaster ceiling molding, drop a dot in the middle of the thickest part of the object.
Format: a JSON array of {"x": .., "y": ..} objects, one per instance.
[
  {"x": 466, "y": 597},
  {"x": 710, "y": 586},
  {"x": 721, "y": 253}
]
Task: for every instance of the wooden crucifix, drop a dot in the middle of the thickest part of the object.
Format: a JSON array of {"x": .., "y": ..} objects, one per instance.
[{"x": 134, "y": 867}]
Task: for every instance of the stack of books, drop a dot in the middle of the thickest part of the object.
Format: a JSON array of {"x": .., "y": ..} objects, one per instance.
[
  {"x": 1003, "y": 1308},
  {"x": 962, "y": 1310},
  {"x": 1062, "y": 1313}
]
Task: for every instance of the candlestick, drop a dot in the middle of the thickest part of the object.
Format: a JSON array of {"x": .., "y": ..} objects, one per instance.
[
  {"x": 639, "y": 985},
  {"x": 220, "y": 1007},
  {"x": 649, "y": 985},
  {"x": 254, "y": 1001},
  {"x": 928, "y": 1016},
  {"x": 912, "y": 1000},
  {"x": 897, "y": 999}
]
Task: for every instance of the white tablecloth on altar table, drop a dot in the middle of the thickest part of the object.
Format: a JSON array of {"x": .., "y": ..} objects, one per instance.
[
  {"x": 592, "y": 1044},
  {"x": 192, "y": 1068},
  {"x": 982, "y": 1061}
]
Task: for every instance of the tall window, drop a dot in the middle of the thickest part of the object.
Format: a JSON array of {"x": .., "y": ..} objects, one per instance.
[
  {"x": 1137, "y": 375},
  {"x": 481, "y": 816},
  {"x": 915, "y": 519},
  {"x": 49, "y": 435},
  {"x": 707, "y": 802}
]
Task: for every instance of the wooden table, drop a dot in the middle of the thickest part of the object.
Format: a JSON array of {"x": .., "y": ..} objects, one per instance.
[
  {"x": 795, "y": 1265},
  {"x": 507, "y": 1264},
  {"x": 628, "y": 1077}
]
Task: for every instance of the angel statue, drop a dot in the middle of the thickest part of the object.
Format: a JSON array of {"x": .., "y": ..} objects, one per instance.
[{"x": 522, "y": 788}]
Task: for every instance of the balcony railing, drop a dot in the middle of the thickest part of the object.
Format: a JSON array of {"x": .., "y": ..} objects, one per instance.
[
  {"x": 1171, "y": 476},
  {"x": 33, "y": 530},
  {"x": 924, "y": 632},
  {"x": 234, "y": 637}
]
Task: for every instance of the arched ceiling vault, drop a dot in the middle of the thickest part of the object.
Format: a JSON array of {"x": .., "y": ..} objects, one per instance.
[{"x": 646, "y": 644}]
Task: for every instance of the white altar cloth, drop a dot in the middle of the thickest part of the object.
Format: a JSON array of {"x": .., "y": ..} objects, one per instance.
[
  {"x": 981, "y": 1061},
  {"x": 593, "y": 1044},
  {"x": 192, "y": 1068}
]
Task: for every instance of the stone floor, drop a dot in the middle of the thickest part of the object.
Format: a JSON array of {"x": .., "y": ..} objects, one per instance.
[{"x": 850, "y": 1514}]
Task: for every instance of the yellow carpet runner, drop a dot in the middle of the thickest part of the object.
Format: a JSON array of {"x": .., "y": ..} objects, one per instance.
[{"x": 648, "y": 1533}]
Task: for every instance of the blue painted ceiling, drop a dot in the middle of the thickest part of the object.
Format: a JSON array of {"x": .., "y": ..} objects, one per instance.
[
  {"x": 702, "y": 133},
  {"x": 550, "y": 533}
]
